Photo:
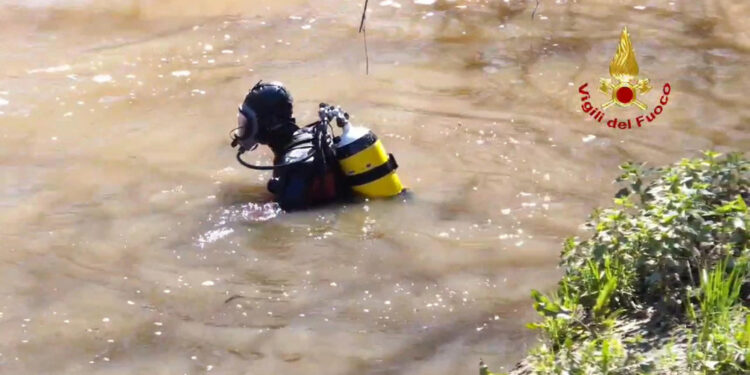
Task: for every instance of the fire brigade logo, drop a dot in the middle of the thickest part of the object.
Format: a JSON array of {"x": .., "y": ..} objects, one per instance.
[{"x": 624, "y": 86}]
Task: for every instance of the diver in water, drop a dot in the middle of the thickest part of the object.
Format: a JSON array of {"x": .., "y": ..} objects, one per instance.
[
  {"x": 305, "y": 172},
  {"x": 308, "y": 161}
]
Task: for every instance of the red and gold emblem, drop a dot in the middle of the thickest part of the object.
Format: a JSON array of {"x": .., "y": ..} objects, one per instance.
[{"x": 624, "y": 86}]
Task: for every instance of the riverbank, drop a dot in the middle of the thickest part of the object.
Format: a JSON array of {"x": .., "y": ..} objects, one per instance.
[{"x": 662, "y": 284}]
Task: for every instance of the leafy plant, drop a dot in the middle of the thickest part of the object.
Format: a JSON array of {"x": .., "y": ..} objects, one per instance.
[{"x": 676, "y": 245}]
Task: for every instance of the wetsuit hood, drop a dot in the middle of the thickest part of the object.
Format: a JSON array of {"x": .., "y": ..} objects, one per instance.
[{"x": 268, "y": 107}]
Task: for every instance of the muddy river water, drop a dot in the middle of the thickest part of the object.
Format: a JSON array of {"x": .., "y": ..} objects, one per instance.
[{"x": 131, "y": 242}]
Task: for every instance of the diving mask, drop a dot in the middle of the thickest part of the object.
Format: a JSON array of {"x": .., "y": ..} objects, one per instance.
[{"x": 245, "y": 135}]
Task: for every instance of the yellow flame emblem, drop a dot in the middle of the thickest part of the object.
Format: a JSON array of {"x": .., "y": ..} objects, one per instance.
[{"x": 624, "y": 86}]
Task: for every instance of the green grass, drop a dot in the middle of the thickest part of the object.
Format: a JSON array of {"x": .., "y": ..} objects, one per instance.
[
  {"x": 670, "y": 257},
  {"x": 722, "y": 324}
]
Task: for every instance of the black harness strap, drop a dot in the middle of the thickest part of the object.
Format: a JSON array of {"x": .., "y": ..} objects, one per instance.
[
  {"x": 360, "y": 144},
  {"x": 373, "y": 174}
]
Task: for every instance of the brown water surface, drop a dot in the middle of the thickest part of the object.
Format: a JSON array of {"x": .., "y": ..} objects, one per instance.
[{"x": 133, "y": 243}]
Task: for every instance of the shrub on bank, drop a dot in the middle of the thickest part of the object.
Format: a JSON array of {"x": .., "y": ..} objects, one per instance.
[{"x": 662, "y": 284}]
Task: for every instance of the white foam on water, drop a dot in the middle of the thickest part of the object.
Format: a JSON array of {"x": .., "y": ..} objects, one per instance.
[
  {"x": 390, "y": 3},
  {"x": 102, "y": 78},
  {"x": 52, "y": 69}
]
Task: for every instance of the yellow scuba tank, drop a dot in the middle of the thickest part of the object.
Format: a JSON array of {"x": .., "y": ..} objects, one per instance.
[{"x": 369, "y": 170}]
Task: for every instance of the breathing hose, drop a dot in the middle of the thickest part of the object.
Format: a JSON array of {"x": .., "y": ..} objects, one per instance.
[
  {"x": 318, "y": 139},
  {"x": 273, "y": 166}
]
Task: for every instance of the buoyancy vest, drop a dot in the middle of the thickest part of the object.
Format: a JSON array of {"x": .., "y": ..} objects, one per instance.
[{"x": 304, "y": 183}]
